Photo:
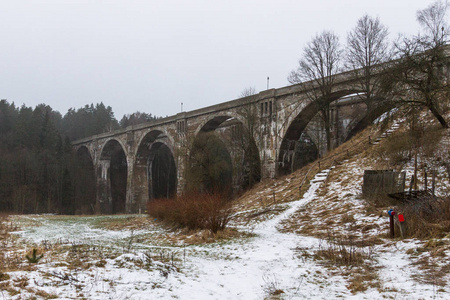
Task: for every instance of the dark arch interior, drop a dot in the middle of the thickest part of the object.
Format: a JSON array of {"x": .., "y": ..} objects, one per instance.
[
  {"x": 155, "y": 162},
  {"x": 117, "y": 175},
  {"x": 212, "y": 124},
  {"x": 299, "y": 154},
  {"x": 252, "y": 165},
  {"x": 210, "y": 165},
  {"x": 381, "y": 108},
  {"x": 295, "y": 135},
  {"x": 162, "y": 172},
  {"x": 84, "y": 185},
  {"x": 238, "y": 139}
]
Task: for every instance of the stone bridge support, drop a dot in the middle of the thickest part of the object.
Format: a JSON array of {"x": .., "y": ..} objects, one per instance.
[{"x": 104, "y": 197}]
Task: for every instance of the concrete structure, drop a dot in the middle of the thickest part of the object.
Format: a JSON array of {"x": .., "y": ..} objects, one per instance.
[{"x": 276, "y": 119}]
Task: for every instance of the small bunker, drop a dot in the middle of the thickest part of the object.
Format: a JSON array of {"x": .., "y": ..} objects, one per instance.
[{"x": 383, "y": 182}]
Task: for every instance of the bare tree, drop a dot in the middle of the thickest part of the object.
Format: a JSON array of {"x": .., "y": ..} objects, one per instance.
[
  {"x": 419, "y": 77},
  {"x": 433, "y": 21},
  {"x": 247, "y": 141},
  {"x": 367, "y": 48},
  {"x": 321, "y": 60},
  {"x": 249, "y": 111}
]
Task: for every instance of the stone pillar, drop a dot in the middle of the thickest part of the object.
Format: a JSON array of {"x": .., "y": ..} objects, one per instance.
[
  {"x": 104, "y": 198},
  {"x": 268, "y": 134},
  {"x": 181, "y": 162},
  {"x": 141, "y": 184},
  {"x": 268, "y": 163},
  {"x": 132, "y": 203},
  {"x": 181, "y": 151}
]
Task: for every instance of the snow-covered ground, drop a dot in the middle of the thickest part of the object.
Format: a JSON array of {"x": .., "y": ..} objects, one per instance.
[{"x": 270, "y": 263}]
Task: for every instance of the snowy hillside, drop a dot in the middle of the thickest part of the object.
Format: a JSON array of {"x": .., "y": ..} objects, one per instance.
[{"x": 290, "y": 239}]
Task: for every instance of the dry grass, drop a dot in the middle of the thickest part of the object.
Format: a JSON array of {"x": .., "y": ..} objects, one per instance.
[
  {"x": 193, "y": 210},
  {"x": 133, "y": 222},
  {"x": 334, "y": 207},
  {"x": 354, "y": 257},
  {"x": 11, "y": 259},
  {"x": 431, "y": 259},
  {"x": 198, "y": 237},
  {"x": 363, "y": 278},
  {"x": 427, "y": 218}
]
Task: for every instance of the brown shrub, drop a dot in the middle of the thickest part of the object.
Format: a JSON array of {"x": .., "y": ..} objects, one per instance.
[{"x": 194, "y": 210}]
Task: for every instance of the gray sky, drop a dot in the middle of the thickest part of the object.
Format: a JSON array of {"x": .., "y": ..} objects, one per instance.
[{"x": 150, "y": 56}]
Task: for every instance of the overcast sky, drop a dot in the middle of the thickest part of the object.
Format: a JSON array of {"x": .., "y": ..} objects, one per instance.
[{"x": 150, "y": 56}]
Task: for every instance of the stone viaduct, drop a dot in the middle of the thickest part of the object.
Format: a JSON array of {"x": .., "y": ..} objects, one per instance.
[{"x": 275, "y": 118}]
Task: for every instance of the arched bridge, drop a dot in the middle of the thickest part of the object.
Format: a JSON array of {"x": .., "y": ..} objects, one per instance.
[{"x": 152, "y": 160}]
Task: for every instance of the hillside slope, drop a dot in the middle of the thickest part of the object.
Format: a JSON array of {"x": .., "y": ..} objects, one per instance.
[{"x": 291, "y": 238}]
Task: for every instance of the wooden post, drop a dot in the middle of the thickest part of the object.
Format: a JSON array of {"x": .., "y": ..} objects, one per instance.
[
  {"x": 391, "y": 224},
  {"x": 411, "y": 184},
  {"x": 415, "y": 170},
  {"x": 433, "y": 182},
  {"x": 426, "y": 181}
]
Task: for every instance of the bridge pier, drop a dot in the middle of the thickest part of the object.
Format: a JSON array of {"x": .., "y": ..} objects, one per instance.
[
  {"x": 132, "y": 205},
  {"x": 137, "y": 186},
  {"x": 104, "y": 197}
]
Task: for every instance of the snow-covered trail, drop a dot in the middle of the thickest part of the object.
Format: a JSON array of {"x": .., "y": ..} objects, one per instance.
[{"x": 269, "y": 261}]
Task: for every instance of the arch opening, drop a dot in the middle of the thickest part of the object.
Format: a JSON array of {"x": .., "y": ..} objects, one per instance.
[
  {"x": 162, "y": 173},
  {"x": 115, "y": 173},
  {"x": 299, "y": 153},
  {"x": 230, "y": 134},
  {"x": 210, "y": 165},
  {"x": 155, "y": 170},
  {"x": 313, "y": 132}
]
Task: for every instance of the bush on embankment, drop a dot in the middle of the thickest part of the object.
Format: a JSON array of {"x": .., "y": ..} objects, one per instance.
[{"x": 193, "y": 210}]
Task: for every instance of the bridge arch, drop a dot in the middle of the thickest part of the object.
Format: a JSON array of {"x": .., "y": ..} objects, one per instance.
[
  {"x": 377, "y": 111},
  {"x": 112, "y": 176},
  {"x": 213, "y": 121},
  {"x": 233, "y": 133},
  {"x": 296, "y": 129},
  {"x": 154, "y": 168},
  {"x": 154, "y": 133}
]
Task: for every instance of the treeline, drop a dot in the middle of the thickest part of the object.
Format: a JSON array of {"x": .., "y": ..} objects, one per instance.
[{"x": 38, "y": 169}]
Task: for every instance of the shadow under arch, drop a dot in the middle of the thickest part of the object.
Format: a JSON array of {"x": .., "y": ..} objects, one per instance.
[
  {"x": 155, "y": 171},
  {"x": 227, "y": 142},
  {"x": 162, "y": 172},
  {"x": 84, "y": 184},
  {"x": 297, "y": 127},
  {"x": 113, "y": 172},
  {"x": 382, "y": 106},
  {"x": 210, "y": 165}
]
